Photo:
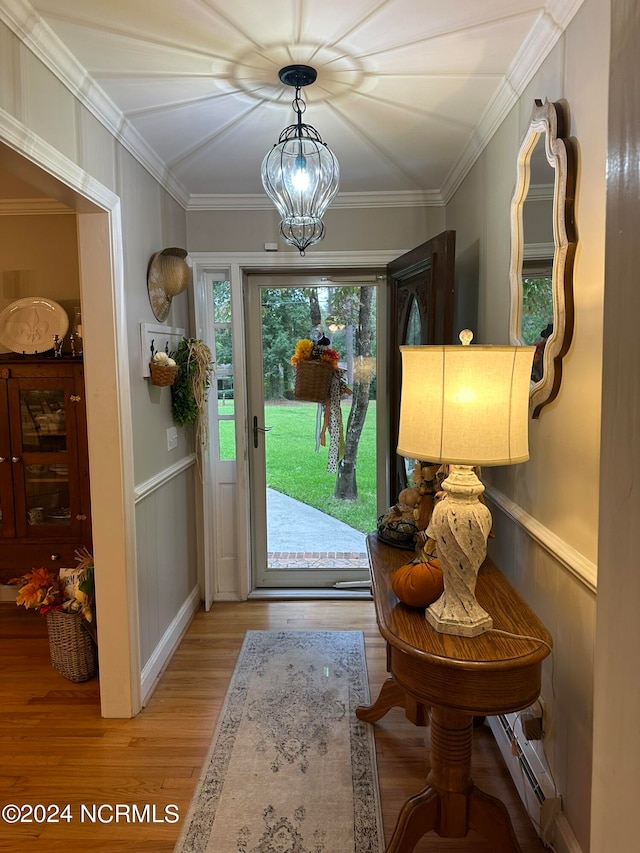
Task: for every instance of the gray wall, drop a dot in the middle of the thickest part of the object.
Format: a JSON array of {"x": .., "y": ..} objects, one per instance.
[
  {"x": 347, "y": 229},
  {"x": 151, "y": 220},
  {"x": 555, "y": 494}
]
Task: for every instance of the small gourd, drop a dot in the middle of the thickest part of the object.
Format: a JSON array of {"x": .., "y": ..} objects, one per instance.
[{"x": 418, "y": 584}]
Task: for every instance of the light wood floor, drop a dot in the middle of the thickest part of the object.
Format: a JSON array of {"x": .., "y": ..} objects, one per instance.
[{"x": 55, "y": 747}]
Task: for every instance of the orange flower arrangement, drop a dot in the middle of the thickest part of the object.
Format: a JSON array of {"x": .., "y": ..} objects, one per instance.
[
  {"x": 306, "y": 350},
  {"x": 330, "y": 356},
  {"x": 39, "y": 590},
  {"x": 44, "y": 591},
  {"x": 303, "y": 351}
]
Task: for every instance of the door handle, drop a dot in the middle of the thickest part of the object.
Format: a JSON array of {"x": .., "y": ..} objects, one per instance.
[{"x": 257, "y": 429}]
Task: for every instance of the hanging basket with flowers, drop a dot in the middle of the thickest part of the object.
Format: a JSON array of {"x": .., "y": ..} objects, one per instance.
[
  {"x": 315, "y": 367},
  {"x": 163, "y": 369},
  {"x": 319, "y": 379}
]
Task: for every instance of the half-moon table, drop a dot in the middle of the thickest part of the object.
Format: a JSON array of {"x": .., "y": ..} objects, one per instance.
[{"x": 451, "y": 680}]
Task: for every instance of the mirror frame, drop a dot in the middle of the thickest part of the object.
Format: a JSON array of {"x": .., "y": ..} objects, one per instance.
[{"x": 547, "y": 121}]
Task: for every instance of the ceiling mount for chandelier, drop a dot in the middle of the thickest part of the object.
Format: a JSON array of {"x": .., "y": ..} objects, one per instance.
[{"x": 300, "y": 174}]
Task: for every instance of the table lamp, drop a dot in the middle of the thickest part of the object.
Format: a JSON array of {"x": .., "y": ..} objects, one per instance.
[{"x": 464, "y": 406}]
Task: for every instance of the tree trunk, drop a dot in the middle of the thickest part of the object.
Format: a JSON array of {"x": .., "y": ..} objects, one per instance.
[
  {"x": 346, "y": 484},
  {"x": 314, "y": 308}
]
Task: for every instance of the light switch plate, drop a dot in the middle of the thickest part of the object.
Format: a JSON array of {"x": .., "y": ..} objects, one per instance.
[{"x": 172, "y": 438}]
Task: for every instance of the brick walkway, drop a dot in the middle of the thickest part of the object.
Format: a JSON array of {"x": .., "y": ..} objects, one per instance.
[{"x": 317, "y": 560}]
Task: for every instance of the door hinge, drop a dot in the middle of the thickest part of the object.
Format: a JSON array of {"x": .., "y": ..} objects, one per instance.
[{"x": 75, "y": 398}]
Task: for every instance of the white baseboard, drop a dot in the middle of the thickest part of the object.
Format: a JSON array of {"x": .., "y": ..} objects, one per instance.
[
  {"x": 564, "y": 840},
  {"x": 154, "y": 667},
  {"x": 560, "y": 832}
]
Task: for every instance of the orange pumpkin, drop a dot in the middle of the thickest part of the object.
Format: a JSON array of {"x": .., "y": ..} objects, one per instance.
[{"x": 418, "y": 584}]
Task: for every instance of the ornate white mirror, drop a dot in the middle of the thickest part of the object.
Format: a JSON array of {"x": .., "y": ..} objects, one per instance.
[{"x": 543, "y": 243}]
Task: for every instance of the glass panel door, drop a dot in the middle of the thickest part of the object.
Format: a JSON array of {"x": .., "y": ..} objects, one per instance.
[
  {"x": 43, "y": 447},
  {"x": 6, "y": 483},
  {"x": 311, "y": 504}
]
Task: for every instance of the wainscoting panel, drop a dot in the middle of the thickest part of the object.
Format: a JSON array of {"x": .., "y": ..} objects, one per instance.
[
  {"x": 167, "y": 561},
  {"x": 554, "y": 582}
]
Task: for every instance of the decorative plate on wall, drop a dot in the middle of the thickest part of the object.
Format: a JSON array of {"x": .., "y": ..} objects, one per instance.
[{"x": 28, "y": 325}]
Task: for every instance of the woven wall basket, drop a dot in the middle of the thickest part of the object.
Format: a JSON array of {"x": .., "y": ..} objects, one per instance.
[
  {"x": 162, "y": 374},
  {"x": 313, "y": 381},
  {"x": 73, "y": 653}
]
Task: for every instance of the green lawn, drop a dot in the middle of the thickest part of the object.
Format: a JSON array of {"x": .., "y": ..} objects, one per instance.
[{"x": 295, "y": 469}]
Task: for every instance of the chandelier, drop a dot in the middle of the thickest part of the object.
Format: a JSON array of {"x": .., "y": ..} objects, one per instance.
[{"x": 300, "y": 174}]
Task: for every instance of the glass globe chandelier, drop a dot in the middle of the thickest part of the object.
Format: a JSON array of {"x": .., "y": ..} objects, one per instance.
[{"x": 300, "y": 174}]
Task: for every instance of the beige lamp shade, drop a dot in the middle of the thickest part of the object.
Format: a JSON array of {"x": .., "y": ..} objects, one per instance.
[{"x": 466, "y": 405}]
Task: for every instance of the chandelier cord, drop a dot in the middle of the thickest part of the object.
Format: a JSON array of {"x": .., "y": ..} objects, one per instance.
[{"x": 299, "y": 106}]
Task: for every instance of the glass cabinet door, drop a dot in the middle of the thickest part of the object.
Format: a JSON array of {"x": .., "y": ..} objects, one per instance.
[
  {"x": 6, "y": 483},
  {"x": 44, "y": 455}
]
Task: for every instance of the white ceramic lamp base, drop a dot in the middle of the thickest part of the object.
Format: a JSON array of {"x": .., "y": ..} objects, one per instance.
[{"x": 460, "y": 525}]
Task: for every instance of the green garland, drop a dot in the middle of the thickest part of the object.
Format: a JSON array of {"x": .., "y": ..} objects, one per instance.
[{"x": 190, "y": 389}]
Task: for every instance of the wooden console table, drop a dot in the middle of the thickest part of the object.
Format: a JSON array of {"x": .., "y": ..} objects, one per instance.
[{"x": 456, "y": 678}]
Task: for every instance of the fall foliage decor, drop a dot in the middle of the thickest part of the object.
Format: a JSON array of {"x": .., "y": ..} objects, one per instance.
[
  {"x": 39, "y": 590},
  {"x": 70, "y": 590},
  {"x": 306, "y": 350},
  {"x": 315, "y": 368},
  {"x": 418, "y": 584}
]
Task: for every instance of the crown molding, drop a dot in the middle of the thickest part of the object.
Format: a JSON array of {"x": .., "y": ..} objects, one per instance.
[
  {"x": 32, "y": 207},
  {"x": 259, "y": 201},
  {"x": 539, "y": 251},
  {"x": 540, "y": 192},
  {"x": 540, "y": 41},
  {"x": 33, "y": 31}
]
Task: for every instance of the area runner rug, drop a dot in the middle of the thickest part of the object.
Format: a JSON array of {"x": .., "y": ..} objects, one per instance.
[{"x": 291, "y": 769}]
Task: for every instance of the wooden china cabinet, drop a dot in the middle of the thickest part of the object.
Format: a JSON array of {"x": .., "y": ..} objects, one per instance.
[{"x": 44, "y": 469}]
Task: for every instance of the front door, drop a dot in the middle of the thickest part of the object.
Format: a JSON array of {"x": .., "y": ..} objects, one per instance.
[
  {"x": 313, "y": 469},
  {"x": 423, "y": 311}
]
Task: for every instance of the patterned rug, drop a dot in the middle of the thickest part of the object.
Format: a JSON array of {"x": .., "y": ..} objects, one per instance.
[{"x": 290, "y": 769}]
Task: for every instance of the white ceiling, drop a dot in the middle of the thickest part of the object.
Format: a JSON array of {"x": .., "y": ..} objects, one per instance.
[{"x": 408, "y": 91}]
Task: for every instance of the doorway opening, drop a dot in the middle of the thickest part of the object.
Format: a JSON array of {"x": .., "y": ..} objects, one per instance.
[
  {"x": 36, "y": 167},
  {"x": 313, "y": 464}
]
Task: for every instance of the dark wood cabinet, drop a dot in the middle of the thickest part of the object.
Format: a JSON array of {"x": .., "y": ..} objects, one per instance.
[{"x": 44, "y": 469}]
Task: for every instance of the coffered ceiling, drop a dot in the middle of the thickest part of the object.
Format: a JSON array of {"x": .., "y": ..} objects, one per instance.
[{"x": 408, "y": 91}]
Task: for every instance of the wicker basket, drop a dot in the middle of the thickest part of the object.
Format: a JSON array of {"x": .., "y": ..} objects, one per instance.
[
  {"x": 73, "y": 653},
  {"x": 313, "y": 381},
  {"x": 163, "y": 374}
]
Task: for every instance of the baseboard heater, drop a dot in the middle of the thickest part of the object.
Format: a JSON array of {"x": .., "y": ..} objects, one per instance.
[{"x": 529, "y": 773}]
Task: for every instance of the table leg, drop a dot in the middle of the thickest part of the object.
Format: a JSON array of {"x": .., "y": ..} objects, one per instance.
[
  {"x": 393, "y": 696},
  {"x": 450, "y": 805},
  {"x": 418, "y": 816},
  {"x": 489, "y": 816}
]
